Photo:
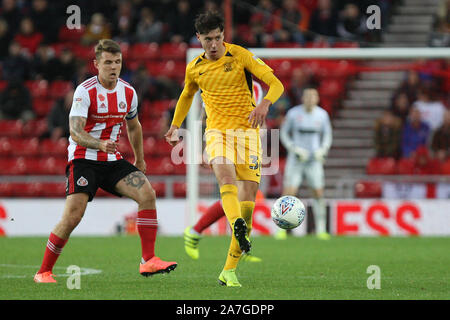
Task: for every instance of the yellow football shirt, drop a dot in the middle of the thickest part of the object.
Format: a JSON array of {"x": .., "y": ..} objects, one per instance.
[{"x": 226, "y": 86}]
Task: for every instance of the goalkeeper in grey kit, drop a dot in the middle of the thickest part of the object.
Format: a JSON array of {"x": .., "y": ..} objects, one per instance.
[{"x": 306, "y": 134}]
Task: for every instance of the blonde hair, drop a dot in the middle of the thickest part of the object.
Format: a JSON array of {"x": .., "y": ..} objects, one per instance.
[{"x": 106, "y": 45}]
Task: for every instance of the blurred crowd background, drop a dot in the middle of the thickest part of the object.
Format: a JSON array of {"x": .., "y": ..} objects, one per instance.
[{"x": 42, "y": 61}]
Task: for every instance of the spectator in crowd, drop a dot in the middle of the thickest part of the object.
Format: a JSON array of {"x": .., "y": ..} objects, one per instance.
[
  {"x": 43, "y": 63},
  {"x": 324, "y": 19},
  {"x": 415, "y": 133},
  {"x": 5, "y": 38},
  {"x": 97, "y": 29},
  {"x": 66, "y": 65},
  {"x": 15, "y": 102},
  {"x": 387, "y": 135},
  {"x": 277, "y": 111},
  {"x": 15, "y": 65},
  {"x": 58, "y": 118},
  {"x": 11, "y": 13},
  {"x": 400, "y": 106},
  {"x": 440, "y": 144},
  {"x": 287, "y": 27},
  {"x": 124, "y": 23},
  {"x": 149, "y": 29},
  {"x": 443, "y": 17},
  {"x": 411, "y": 85},
  {"x": 28, "y": 37},
  {"x": 424, "y": 163},
  {"x": 145, "y": 85},
  {"x": 431, "y": 109},
  {"x": 180, "y": 23},
  {"x": 351, "y": 24},
  {"x": 44, "y": 20},
  {"x": 263, "y": 16},
  {"x": 299, "y": 80}
]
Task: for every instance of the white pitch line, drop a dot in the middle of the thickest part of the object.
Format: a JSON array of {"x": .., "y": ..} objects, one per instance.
[{"x": 83, "y": 271}]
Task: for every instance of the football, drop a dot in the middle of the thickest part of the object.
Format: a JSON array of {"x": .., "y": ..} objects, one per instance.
[{"x": 288, "y": 212}]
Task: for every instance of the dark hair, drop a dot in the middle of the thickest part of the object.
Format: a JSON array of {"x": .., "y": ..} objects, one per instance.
[
  {"x": 208, "y": 21},
  {"x": 106, "y": 45}
]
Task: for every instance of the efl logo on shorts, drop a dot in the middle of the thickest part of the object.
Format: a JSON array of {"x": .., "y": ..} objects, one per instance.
[{"x": 82, "y": 182}]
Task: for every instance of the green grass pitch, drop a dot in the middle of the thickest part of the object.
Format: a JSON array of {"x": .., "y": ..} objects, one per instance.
[{"x": 297, "y": 268}]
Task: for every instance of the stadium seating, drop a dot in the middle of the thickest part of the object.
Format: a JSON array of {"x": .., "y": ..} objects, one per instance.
[
  {"x": 59, "y": 88},
  {"x": 405, "y": 166},
  {"x": 144, "y": 51},
  {"x": 11, "y": 128},
  {"x": 42, "y": 107},
  {"x": 382, "y": 166},
  {"x": 368, "y": 189},
  {"x": 38, "y": 88}
]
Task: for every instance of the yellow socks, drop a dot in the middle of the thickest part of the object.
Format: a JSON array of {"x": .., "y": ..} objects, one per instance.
[
  {"x": 230, "y": 202},
  {"x": 234, "y": 252}
]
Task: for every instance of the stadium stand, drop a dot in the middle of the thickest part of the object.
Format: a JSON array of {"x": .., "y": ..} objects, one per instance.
[{"x": 352, "y": 93}]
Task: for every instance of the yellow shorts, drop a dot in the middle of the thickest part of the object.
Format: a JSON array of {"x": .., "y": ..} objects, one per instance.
[{"x": 241, "y": 147}]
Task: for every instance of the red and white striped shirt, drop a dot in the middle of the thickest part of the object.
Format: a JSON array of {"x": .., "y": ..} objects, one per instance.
[{"x": 105, "y": 111}]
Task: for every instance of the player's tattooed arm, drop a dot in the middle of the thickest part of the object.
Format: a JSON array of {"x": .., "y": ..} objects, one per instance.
[{"x": 84, "y": 139}]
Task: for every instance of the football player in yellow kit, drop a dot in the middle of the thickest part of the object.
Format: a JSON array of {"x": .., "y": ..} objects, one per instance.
[{"x": 223, "y": 73}]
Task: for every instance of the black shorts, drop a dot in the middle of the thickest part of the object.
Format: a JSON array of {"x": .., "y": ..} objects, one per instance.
[{"x": 88, "y": 175}]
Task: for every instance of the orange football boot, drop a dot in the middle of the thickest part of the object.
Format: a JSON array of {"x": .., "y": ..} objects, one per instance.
[
  {"x": 44, "y": 277},
  {"x": 156, "y": 265}
]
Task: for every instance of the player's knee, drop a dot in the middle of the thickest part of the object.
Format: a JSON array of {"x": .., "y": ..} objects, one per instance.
[{"x": 147, "y": 197}]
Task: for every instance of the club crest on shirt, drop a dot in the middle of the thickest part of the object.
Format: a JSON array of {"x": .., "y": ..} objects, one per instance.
[
  {"x": 227, "y": 67},
  {"x": 122, "y": 105},
  {"x": 82, "y": 182}
]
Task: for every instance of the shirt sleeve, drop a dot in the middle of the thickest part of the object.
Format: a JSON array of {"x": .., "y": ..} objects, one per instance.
[
  {"x": 263, "y": 72},
  {"x": 327, "y": 135},
  {"x": 134, "y": 107},
  {"x": 80, "y": 104},
  {"x": 285, "y": 130},
  {"x": 185, "y": 101}
]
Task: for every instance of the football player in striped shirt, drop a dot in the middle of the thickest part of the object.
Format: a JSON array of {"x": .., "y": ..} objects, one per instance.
[
  {"x": 223, "y": 73},
  {"x": 100, "y": 106}
]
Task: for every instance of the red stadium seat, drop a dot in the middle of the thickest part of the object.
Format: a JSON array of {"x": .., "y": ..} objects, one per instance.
[
  {"x": 6, "y": 189},
  {"x": 53, "y": 189},
  {"x": 125, "y": 148},
  {"x": 3, "y": 85},
  {"x": 445, "y": 167},
  {"x": 405, "y": 166},
  {"x": 42, "y": 107},
  {"x": 17, "y": 166},
  {"x": 179, "y": 190},
  {"x": 27, "y": 147},
  {"x": 86, "y": 53},
  {"x": 151, "y": 126},
  {"x": 175, "y": 51},
  {"x": 35, "y": 127},
  {"x": 144, "y": 51},
  {"x": 149, "y": 146},
  {"x": 6, "y": 146},
  {"x": 70, "y": 35},
  {"x": 162, "y": 148},
  {"x": 59, "y": 88},
  {"x": 57, "y": 149},
  {"x": 160, "y": 188},
  {"x": 368, "y": 189},
  {"x": 382, "y": 166},
  {"x": 346, "y": 45},
  {"x": 332, "y": 88},
  {"x": 11, "y": 128},
  {"x": 38, "y": 88},
  {"x": 159, "y": 166},
  {"x": 180, "y": 169}
]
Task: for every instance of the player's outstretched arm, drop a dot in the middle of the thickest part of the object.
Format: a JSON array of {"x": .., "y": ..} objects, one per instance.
[
  {"x": 84, "y": 139},
  {"x": 134, "y": 130}
]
